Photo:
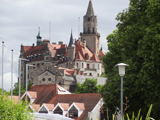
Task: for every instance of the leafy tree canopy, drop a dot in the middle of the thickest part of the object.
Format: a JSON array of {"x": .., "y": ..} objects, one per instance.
[
  {"x": 13, "y": 110},
  {"x": 89, "y": 86},
  {"x": 23, "y": 88},
  {"x": 136, "y": 42}
]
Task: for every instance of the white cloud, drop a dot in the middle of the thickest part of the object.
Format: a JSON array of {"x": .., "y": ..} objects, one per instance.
[{"x": 7, "y": 81}]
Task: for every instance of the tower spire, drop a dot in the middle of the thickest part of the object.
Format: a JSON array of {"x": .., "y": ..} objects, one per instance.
[
  {"x": 71, "y": 40},
  {"x": 38, "y": 32},
  {"x": 39, "y": 37},
  {"x": 90, "y": 11}
]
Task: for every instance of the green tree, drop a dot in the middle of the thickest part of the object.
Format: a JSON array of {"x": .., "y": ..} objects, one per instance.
[
  {"x": 23, "y": 88},
  {"x": 13, "y": 110},
  {"x": 89, "y": 86},
  {"x": 137, "y": 43}
]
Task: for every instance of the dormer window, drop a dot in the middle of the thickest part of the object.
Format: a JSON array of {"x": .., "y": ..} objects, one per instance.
[
  {"x": 43, "y": 110},
  {"x": 58, "y": 111},
  {"x": 61, "y": 108},
  {"x": 73, "y": 112}
]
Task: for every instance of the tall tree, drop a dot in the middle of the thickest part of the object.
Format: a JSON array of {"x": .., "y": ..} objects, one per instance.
[
  {"x": 137, "y": 43},
  {"x": 89, "y": 86}
]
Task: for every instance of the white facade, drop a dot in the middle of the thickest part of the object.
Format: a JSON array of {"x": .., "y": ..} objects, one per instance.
[{"x": 91, "y": 68}]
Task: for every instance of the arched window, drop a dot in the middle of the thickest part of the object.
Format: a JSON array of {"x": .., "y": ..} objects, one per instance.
[
  {"x": 88, "y": 19},
  {"x": 88, "y": 30},
  {"x": 93, "y": 30}
]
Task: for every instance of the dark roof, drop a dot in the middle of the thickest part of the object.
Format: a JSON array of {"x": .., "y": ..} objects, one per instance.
[
  {"x": 71, "y": 41},
  {"x": 44, "y": 92},
  {"x": 90, "y": 100}
]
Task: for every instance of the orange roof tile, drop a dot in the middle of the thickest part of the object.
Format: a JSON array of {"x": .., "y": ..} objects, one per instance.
[
  {"x": 44, "y": 93},
  {"x": 79, "y": 56},
  {"x": 49, "y": 106},
  {"x": 67, "y": 71},
  {"x": 80, "y": 105},
  {"x": 65, "y": 106},
  {"x": 95, "y": 58},
  {"x": 36, "y": 106},
  {"x": 101, "y": 53},
  {"x": 15, "y": 98},
  {"x": 32, "y": 94},
  {"x": 85, "y": 98}
]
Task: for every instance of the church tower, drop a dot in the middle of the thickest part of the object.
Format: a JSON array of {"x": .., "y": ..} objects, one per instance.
[
  {"x": 90, "y": 33},
  {"x": 39, "y": 38},
  {"x": 71, "y": 52}
]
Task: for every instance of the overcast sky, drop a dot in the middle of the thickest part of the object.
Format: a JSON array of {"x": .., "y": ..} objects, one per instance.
[{"x": 20, "y": 19}]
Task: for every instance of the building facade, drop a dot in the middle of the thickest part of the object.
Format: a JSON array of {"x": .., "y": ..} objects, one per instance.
[{"x": 60, "y": 63}]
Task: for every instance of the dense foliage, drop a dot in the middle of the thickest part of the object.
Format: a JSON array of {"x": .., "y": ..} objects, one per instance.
[
  {"x": 13, "y": 110},
  {"x": 136, "y": 42},
  {"x": 23, "y": 88},
  {"x": 89, "y": 86}
]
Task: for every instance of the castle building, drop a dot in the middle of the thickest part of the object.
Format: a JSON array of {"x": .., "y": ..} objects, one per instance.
[{"x": 61, "y": 63}]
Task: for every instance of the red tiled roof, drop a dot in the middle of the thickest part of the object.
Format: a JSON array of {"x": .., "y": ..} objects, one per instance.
[
  {"x": 80, "y": 105},
  {"x": 101, "y": 53},
  {"x": 32, "y": 94},
  {"x": 14, "y": 98},
  {"x": 90, "y": 100},
  {"x": 79, "y": 56},
  {"x": 67, "y": 71},
  {"x": 49, "y": 106},
  {"x": 95, "y": 58},
  {"x": 81, "y": 52},
  {"x": 36, "y": 106},
  {"x": 44, "y": 93},
  {"x": 65, "y": 106},
  {"x": 32, "y": 50}
]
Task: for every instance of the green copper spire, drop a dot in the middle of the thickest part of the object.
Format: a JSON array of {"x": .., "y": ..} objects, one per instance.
[{"x": 39, "y": 38}]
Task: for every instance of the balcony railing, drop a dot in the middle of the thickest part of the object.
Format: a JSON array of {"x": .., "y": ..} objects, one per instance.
[{"x": 90, "y": 69}]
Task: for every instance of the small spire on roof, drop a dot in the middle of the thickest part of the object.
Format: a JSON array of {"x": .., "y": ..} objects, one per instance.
[
  {"x": 101, "y": 47},
  {"x": 38, "y": 33},
  {"x": 71, "y": 40}
]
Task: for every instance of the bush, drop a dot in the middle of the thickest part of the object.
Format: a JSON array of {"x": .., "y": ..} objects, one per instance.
[{"x": 12, "y": 110}]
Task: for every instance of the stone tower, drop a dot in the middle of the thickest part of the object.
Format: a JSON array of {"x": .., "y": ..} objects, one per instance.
[
  {"x": 39, "y": 38},
  {"x": 71, "y": 52},
  {"x": 90, "y": 33}
]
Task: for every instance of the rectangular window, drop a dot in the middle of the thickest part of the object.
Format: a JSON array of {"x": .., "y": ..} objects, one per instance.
[
  {"x": 87, "y": 65},
  {"x": 47, "y": 58},
  {"x": 90, "y": 74},
  {"x": 77, "y": 65},
  {"x": 33, "y": 66},
  {"x": 38, "y": 65},
  {"x": 93, "y": 66},
  {"x": 82, "y": 65},
  {"x": 42, "y": 64},
  {"x": 98, "y": 66}
]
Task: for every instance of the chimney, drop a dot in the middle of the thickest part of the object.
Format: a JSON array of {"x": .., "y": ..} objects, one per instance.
[
  {"x": 84, "y": 43},
  {"x": 45, "y": 41},
  {"x": 54, "y": 43},
  {"x": 33, "y": 45},
  {"x": 60, "y": 42}
]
